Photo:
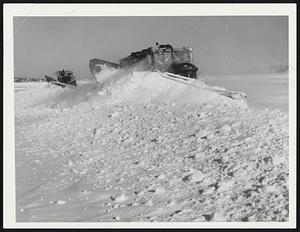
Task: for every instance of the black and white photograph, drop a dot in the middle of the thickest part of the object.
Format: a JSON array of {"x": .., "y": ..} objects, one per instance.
[{"x": 154, "y": 115}]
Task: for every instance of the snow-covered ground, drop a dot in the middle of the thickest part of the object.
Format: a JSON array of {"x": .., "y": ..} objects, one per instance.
[
  {"x": 264, "y": 90},
  {"x": 147, "y": 149}
]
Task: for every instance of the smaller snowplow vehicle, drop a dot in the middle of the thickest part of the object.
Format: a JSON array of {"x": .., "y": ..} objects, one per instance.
[{"x": 64, "y": 78}]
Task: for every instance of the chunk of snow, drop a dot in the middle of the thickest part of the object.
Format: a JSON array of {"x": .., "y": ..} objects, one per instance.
[
  {"x": 60, "y": 202},
  {"x": 226, "y": 185},
  {"x": 121, "y": 198},
  {"x": 208, "y": 191},
  {"x": 197, "y": 176},
  {"x": 160, "y": 190},
  {"x": 219, "y": 217},
  {"x": 226, "y": 128}
]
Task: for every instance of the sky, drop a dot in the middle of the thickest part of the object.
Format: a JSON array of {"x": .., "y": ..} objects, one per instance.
[{"x": 221, "y": 44}]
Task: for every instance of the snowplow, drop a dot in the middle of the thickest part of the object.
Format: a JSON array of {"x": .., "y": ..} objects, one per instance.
[
  {"x": 64, "y": 78},
  {"x": 163, "y": 58},
  {"x": 171, "y": 63}
]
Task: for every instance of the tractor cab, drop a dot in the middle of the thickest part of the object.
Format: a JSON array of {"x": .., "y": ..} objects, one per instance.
[{"x": 164, "y": 58}]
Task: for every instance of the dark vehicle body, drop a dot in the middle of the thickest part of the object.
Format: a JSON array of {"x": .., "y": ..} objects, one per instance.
[
  {"x": 163, "y": 58},
  {"x": 66, "y": 77},
  {"x": 63, "y": 78}
]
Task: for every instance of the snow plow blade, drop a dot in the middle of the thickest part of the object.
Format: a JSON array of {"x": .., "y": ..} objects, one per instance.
[
  {"x": 190, "y": 82},
  {"x": 97, "y": 65},
  {"x": 50, "y": 79}
]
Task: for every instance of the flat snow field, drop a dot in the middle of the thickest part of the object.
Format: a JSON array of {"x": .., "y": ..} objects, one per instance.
[
  {"x": 82, "y": 156},
  {"x": 264, "y": 90}
]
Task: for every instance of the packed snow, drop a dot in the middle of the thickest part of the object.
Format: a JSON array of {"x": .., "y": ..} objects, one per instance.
[{"x": 144, "y": 148}]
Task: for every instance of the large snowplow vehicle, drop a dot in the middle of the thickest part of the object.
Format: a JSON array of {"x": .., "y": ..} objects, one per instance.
[
  {"x": 171, "y": 63},
  {"x": 162, "y": 58}
]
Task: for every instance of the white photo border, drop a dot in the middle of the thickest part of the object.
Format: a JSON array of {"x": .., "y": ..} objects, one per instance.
[{"x": 67, "y": 10}]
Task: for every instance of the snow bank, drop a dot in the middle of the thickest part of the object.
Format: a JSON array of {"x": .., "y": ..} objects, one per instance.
[
  {"x": 152, "y": 87},
  {"x": 140, "y": 87}
]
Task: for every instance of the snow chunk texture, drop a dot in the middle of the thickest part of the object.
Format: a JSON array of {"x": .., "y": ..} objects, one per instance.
[{"x": 147, "y": 160}]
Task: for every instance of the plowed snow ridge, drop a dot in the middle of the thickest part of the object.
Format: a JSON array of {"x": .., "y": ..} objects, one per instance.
[{"x": 140, "y": 87}]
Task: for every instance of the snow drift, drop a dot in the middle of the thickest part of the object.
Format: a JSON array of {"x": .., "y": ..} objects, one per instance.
[{"x": 140, "y": 87}]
